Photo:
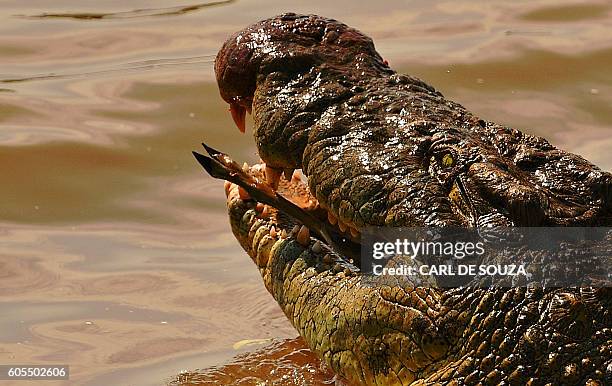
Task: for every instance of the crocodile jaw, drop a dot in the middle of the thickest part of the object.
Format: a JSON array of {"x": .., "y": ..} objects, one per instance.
[{"x": 326, "y": 300}]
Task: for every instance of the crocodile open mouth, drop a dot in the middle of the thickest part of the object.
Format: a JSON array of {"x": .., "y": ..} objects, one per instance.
[
  {"x": 382, "y": 149},
  {"x": 284, "y": 203}
]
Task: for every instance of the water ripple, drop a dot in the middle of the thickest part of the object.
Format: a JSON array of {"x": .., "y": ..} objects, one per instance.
[
  {"x": 148, "y": 64},
  {"x": 136, "y": 13}
]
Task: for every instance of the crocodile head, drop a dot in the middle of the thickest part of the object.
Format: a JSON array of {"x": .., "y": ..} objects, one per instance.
[{"x": 384, "y": 149}]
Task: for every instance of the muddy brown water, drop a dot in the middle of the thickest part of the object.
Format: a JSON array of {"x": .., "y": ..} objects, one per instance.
[{"x": 115, "y": 252}]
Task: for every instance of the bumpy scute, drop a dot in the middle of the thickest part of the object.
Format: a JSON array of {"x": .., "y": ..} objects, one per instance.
[{"x": 380, "y": 148}]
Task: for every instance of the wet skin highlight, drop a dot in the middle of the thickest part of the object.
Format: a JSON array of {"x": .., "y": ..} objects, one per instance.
[{"x": 380, "y": 148}]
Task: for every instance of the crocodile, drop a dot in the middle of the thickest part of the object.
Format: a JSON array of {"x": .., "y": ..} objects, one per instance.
[{"x": 360, "y": 145}]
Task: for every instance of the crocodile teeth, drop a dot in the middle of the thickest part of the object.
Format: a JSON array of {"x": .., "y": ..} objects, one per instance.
[
  {"x": 245, "y": 167},
  {"x": 296, "y": 229},
  {"x": 227, "y": 186},
  {"x": 259, "y": 207},
  {"x": 273, "y": 231},
  {"x": 238, "y": 114},
  {"x": 288, "y": 173},
  {"x": 297, "y": 175},
  {"x": 303, "y": 236},
  {"x": 331, "y": 218},
  {"x": 257, "y": 168},
  {"x": 316, "y": 247},
  {"x": 272, "y": 177},
  {"x": 283, "y": 234},
  {"x": 243, "y": 194},
  {"x": 265, "y": 212}
]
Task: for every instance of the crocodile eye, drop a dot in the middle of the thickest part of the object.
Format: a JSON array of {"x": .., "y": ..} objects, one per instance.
[{"x": 448, "y": 160}]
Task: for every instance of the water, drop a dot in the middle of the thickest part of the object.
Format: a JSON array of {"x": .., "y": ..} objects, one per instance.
[{"x": 115, "y": 252}]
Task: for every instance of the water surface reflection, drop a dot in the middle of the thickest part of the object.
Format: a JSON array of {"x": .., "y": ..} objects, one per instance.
[{"x": 115, "y": 251}]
